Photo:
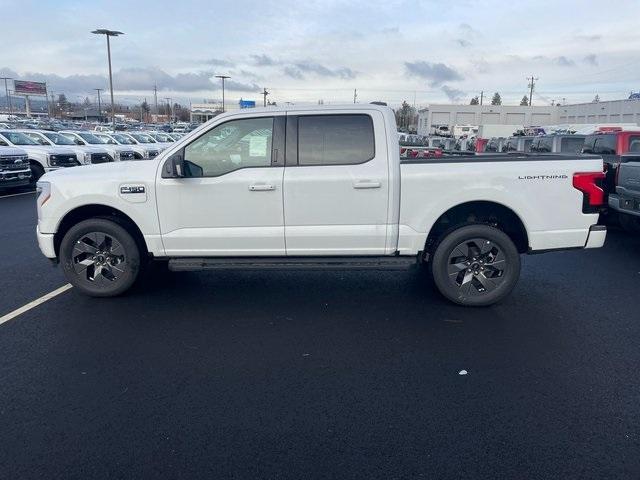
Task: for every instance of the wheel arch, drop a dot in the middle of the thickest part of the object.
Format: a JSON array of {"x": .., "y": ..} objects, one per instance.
[
  {"x": 483, "y": 212},
  {"x": 86, "y": 212}
]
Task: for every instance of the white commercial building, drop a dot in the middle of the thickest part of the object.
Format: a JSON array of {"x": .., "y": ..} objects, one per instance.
[
  {"x": 451, "y": 115},
  {"x": 616, "y": 111}
]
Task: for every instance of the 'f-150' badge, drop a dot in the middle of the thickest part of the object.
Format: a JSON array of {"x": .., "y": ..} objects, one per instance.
[{"x": 132, "y": 189}]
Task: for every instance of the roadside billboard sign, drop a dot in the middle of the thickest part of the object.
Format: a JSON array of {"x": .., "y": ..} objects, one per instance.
[{"x": 23, "y": 87}]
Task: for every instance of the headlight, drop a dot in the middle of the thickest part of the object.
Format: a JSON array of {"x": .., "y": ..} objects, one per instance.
[
  {"x": 86, "y": 158},
  {"x": 43, "y": 193},
  {"x": 52, "y": 160},
  {"x": 117, "y": 156}
]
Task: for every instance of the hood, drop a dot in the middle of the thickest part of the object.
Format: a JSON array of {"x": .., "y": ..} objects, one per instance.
[
  {"x": 44, "y": 149},
  {"x": 12, "y": 151},
  {"x": 120, "y": 171},
  {"x": 90, "y": 148}
]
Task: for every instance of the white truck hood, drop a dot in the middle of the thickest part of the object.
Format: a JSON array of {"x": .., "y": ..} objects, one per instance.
[
  {"x": 105, "y": 172},
  {"x": 11, "y": 151},
  {"x": 47, "y": 150}
]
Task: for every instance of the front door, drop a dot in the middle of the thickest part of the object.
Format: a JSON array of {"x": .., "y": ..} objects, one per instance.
[{"x": 229, "y": 203}]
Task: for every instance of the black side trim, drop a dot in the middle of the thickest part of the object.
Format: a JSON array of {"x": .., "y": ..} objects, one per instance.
[
  {"x": 292, "y": 141},
  {"x": 278, "y": 142}
]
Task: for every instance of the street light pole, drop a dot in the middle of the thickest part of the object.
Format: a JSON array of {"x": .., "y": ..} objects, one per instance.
[
  {"x": 110, "y": 33},
  {"x": 99, "y": 105},
  {"x": 223, "y": 78}
]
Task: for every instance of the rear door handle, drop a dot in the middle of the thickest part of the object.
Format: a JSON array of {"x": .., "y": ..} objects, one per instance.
[
  {"x": 261, "y": 187},
  {"x": 366, "y": 184}
]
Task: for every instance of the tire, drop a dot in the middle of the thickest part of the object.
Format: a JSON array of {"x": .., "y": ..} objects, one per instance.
[
  {"x": 475, "y": 265},
  {"x": 36, "y": 172},
  {"x": 629, "y": 223},
  {"x": 100, "y": 258}
]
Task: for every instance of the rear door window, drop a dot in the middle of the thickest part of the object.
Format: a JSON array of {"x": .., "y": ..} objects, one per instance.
[
  {"x": 571, "y": 145},
  {"x": 335, "y": 139},
  {"x": 604, "y": 144}
]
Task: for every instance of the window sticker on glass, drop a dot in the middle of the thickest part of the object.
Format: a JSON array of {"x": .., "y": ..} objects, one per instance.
[{"x": 258, "y": 146}]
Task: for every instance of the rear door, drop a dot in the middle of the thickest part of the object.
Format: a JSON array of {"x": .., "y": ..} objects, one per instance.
[{"x": 336, "y": 184}]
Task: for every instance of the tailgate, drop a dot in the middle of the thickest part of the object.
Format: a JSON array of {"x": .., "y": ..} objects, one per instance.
[{"x": 628, "y": 188}]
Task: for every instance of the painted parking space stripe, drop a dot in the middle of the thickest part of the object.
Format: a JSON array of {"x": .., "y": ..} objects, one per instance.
[
  {"x": 34, "y": 303},
  {"x": 17, "y": 194}
]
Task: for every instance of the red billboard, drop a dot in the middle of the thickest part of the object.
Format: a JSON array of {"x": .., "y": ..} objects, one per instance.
[{"x": 22, "y": 87}]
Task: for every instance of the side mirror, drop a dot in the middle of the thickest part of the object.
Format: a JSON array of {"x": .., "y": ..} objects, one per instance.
[{"x": 174, "y": 167}]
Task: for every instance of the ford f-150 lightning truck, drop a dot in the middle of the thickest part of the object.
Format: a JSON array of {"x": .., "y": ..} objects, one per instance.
[{"x": 317, "y": 187}]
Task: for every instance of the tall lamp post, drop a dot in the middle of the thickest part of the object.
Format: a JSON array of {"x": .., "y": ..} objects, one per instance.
[
  {"x": 110, "y": 33},
  {"x": 223, "y": 78}
]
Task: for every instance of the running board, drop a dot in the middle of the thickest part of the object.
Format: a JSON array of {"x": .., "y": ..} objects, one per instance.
[{"x": 292, "y": 263}]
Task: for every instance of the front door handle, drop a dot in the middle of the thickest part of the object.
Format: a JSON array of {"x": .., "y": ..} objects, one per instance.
[
  {"x": 366, "y": 184},
  {"x": 261, "y": 187}
]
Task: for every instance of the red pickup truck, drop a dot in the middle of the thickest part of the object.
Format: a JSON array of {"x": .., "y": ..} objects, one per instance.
[{"x": 613, "y": 146}]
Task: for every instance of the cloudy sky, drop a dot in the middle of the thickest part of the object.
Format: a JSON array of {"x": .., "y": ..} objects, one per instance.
[{"x": 422, "y": 51}]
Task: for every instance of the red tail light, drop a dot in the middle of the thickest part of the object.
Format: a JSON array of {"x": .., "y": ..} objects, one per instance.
[{"x": 589, "y": 183}]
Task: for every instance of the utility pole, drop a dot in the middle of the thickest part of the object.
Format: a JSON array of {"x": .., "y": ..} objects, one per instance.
[
  {"x": 99, "y": 104},
  {"x": 155, "y": 98},
  {"x": 169, "y": 107},
  {"x": 481, "y": 96},
  {"x": 532, "y": 83},
  {"x": 355, "y": 95},
  {"x": 6, "y": 91},
  {"x": 264, "y": 94},
  {"x": 108, "y": 34},
  {"x": 223, "y": 78}
]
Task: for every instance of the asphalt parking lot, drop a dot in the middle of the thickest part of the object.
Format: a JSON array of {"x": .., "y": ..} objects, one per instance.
[{"x": 320, "y": 374}]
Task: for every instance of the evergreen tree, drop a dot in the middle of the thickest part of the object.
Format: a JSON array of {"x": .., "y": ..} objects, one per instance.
[
  {"x": 474, "y": 101},
  {"x": 496, "y": 99},
  {"x": 525, "y": 101}
]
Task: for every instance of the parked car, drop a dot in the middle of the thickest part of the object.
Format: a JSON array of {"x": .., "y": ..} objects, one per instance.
[
  {"x": 42, "y": 158},
  {"x": 222, "y": 200},
  {"x": 85, "y": 154},
  {"x": 558, "y": 144},
  {"x": 83, "y": 138},
  {"x": 15, "y": 170},
  {"x": 161, "y": 137},
  {"x": 142, "y": 152},
  {"x": 494, "y": 145},
  {"x": 626, "y": 198},
  {"x": 146, "y": 140}
]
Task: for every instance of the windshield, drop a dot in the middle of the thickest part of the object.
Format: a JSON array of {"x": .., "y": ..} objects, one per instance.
[
  {"x": 18, "y": 138},
  {"x": 91, "y": 138},
  {"x": 162, "y": 137},
  {"x": 58, "y": 139},
  {"x": 123, "y": 139},
  {"x": 142, "y": 138},
  {"x": 107, "y": 139}
]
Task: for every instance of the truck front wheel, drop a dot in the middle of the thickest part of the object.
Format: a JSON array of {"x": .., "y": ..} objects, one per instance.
[
  {"x": 475, "y": 265},
  {"x": 100, "y": 258}
]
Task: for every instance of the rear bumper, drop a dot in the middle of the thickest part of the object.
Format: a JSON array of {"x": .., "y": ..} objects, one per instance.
[
  {"x": 596, "y": 237},
  {"x": 45, "y": 242},
  {"x": 629, "y": 204}
]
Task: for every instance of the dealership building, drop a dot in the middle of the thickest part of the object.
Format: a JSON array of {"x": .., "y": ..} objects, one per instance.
[{"x": 616, "y": 111}]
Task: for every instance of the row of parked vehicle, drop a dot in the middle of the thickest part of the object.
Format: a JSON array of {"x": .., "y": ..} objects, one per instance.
[{"x": 26, "y": 155}]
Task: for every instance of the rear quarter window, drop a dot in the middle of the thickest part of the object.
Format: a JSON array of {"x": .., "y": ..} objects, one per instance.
[{"x": 600, "y": 144}]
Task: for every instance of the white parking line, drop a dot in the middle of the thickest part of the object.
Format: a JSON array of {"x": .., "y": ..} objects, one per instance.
[
  {"x": 16, "y": 194},
  {"x": 35, "y": 303}
]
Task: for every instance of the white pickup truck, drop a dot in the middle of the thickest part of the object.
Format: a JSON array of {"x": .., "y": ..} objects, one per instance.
[{"x": 317, "y": 187}]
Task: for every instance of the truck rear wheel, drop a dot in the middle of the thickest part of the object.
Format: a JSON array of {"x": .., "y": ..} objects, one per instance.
[
  {"x": 475, "y": 265},
  {"x": 100, "y": 258}
]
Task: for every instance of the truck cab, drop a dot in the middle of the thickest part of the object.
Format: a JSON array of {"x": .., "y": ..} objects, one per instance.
[{"x": 558, "y": 144}]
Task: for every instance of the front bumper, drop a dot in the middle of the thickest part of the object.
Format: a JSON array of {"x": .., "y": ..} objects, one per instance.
[
  {"x": 10, "y": 179},
  {"x": 596, "y": 237},
  {"x": 45, "y": 242},
  {"x": 625, "y": 204}
]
